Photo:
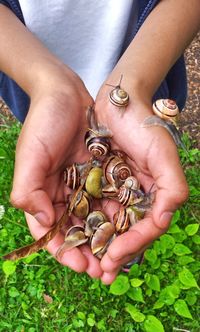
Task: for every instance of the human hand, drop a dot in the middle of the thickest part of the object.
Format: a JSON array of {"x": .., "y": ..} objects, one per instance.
[
  {"x": 154, "y": 160},
  {"x": 52, "y": 138}
]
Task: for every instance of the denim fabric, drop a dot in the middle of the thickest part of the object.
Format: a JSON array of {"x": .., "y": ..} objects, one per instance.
[{"x": 174, "y": 86}]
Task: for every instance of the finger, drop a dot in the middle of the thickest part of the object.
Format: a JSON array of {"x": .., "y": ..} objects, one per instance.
[
  {"x": 73, "y": 258},
  {"x": 108, "y": 265},
  {"x": 94, "y": 269},
  {"x": 28, "y": 192},
  {"x": 137, "y": 238},
  {"x": 172, "y": 189},
  {"x": 108, "y": 278}
]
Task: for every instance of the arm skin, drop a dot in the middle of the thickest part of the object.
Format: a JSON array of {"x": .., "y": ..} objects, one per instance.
[
  {"x": 51, "y": 138},
  {"x": 161, "y": 40}
]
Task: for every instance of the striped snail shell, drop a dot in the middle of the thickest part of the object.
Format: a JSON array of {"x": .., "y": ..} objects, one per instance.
[
  {"x": 166, "y": 109},
  {"x": 109, "y": 191},
  {"x": 98, "y": 146},
  {"x": 121, "y": 220},
  {"x": 82, "y": 205},
  {"x": 116, "y": 171},
  {"x": 127, "y": 196},
  {"x": 119, "y": 97},
  {"x": 72, "y": 175},
  {"x": 132, "y": 183}
]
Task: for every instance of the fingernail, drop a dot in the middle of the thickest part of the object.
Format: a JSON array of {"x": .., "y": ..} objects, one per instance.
[
  {"x": 165, "y": 219},
  {"x": 42, "y": 218}
]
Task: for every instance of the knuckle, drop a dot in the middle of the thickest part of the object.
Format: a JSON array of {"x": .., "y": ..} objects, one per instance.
[
  {"x": 17, "y": 200},
  {"x": 183, "y": 194}
]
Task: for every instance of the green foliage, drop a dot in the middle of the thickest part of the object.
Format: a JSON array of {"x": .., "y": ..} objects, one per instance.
[{"x": 38, "y": 294}]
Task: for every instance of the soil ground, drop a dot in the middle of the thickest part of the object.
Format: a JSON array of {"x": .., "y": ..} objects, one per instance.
[{"x": 190, "y": 117}]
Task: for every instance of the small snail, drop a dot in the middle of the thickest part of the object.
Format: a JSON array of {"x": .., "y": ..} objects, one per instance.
[
  {"x": 118, "y": 96},
  {"x": 97, "y": 138},
  {"x": 93, "y": 182},
  {"x": 98, "y": 146},
  {"x": 94, "y": 220},
  {"x": 102, "y": 238},
  {"x": 132, "y": 183},
  {"x": 166, "y": 116},
  {"x": 72, "y": 175},
  {"x": 116, "y": 171},
  {"x": 82, "y": 205},
  {"x": 166, "y": 109},
  {"x": 121, "y": 220},
  {"x": 127, "y": 196},
  {"x": 74, "y": 237}
]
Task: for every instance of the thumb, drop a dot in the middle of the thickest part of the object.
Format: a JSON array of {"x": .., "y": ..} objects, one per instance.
[
  {"x": 170, "y": 180},
  {"x": 30, "y": 177}
]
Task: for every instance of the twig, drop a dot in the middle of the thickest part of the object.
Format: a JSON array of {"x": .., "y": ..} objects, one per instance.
[{"x": 182, "y": 330}]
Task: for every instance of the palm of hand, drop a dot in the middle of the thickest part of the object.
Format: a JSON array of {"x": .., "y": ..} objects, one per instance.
[{"x": 154, "y": 160}]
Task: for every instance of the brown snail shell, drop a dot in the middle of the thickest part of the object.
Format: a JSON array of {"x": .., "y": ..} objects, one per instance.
[
  {"x": 127, "y": 196},
  {"x": 98, "y": 146},
  {"x": 93, "y": 182},
  {"x": 93, "y": 221},
  {"x": 166, "y": 109},
  {"x": 116, "y": 171},
  {"x": 82, "y": 205},
  {"x": 132, "y": 183},
  {"x": 119, "y": 97},
  {"x": 73, "y": 174},
  {"x": 102, "y": 238},
  {"x": 121, "y": 220},
  {"x": 109, "y": 191}
]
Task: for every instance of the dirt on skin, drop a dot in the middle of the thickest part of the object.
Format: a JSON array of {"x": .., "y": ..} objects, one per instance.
[{"x": 190, "y": 116}]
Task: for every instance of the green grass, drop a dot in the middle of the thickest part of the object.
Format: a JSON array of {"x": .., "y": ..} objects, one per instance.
[{"x": 38, "y": 294}]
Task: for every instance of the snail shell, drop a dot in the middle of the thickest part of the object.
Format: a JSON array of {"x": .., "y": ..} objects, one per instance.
[
  {"x": 98, "y": 146},
  {"x": 132, "y": 183},
  {"x": 109, "y": 191},
  {"x": 74, "y": 237},
  {"x": 116, "y": 171},
  {"x": 82, "y": 205},
  {"x": 127, "y": 196},
  {"x": 102, "y": 238},
  {"x": 72, "y": 175},
  {"x": 121, "y": 220},
  {"x": 166, "y": 109},
  {"x": 119, "y": 97},
  {"x": 93, "y": 221},
  {"x": 93, "y": 182}
]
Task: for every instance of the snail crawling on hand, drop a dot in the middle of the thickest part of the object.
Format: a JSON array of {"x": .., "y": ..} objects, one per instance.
[
  {"x": 166, "y": 115},
  {"x": 118, "y": 96}
]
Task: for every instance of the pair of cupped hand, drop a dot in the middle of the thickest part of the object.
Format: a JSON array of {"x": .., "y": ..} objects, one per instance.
[{"x": 52, "y": 137}]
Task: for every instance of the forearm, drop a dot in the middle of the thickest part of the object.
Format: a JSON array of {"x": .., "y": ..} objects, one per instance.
[
  {"x": 23, "y": 57},
  {"x": 161, "y": 40}
]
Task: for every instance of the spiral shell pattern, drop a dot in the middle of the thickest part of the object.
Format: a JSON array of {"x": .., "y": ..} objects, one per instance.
[
  {"x": 132, "y": 183},
  {"x": 116, "y": 171},
  {"x": 166, "y": 109},
  {"x": 98, "y": 146},
  {"x": 119, "y": 97}
]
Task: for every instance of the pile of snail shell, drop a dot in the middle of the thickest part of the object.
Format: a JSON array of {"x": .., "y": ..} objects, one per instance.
[{"x": 109, "y": 177}]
